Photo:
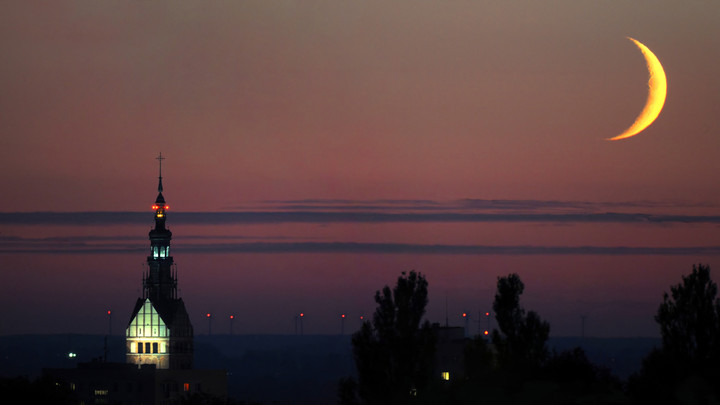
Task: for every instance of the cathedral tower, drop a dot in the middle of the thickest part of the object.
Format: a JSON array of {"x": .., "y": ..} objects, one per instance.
[{"x": 159, "y": 331}]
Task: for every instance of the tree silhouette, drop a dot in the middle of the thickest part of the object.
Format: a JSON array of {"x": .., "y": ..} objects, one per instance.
[
  {"x": 521, "y": 340},
  {"x": 689, "y": 318},
  {"x": 394, "y": 353},
  {"x": 686, "y": 368}
]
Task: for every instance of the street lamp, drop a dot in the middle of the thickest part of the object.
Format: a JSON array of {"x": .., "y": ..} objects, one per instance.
[{"x": 487, "y": 331}]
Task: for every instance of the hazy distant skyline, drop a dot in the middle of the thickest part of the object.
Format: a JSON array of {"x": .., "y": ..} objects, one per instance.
[{"x": 317, "y": 149}]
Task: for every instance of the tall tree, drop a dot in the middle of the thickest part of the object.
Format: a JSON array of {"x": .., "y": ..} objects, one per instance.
[
  {"x": 521, "y": 340},
  {"x": 394, "y": 353},
  {"x": 686, "y": 368},
  {"x": 689, "y": 318}
]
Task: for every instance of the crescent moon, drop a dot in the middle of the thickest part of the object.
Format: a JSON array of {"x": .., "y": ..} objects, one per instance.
[{"x": 657, "y": 92}]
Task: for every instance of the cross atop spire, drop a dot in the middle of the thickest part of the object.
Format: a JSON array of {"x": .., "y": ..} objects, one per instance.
[{"x": 160, "y": 158}]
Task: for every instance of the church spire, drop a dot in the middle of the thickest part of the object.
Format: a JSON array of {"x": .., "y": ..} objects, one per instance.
[
  {"x": 160, "y": 332},
  {"x": 160, "y": 282},
  {"x": 160, "y": 199},
  {"x": 160, "y": 158}
]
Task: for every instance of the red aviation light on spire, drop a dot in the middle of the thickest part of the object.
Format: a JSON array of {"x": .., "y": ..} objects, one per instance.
[{"x": 160, "y": 210}]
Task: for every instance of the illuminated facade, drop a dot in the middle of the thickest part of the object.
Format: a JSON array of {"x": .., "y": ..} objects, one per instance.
[{"x": 159, "y": 331}]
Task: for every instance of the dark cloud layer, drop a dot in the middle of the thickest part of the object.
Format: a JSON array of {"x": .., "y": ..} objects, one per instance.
[
  {"x": 275, "y": 217},
  {"x": 355, "y": 247},
  {"x": 474, "y": 204}
]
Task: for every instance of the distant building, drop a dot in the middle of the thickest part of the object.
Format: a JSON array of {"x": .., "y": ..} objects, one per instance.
[
  {"x": 121, "y": 383},
  {"x": 159, "y": 342},
  {"x": 159, "y": 331},
  {"x": 450, "y": 352}
]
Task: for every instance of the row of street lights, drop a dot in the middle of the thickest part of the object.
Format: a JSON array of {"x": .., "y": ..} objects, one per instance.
[
  {"x": 299, "y": 322},
  {"x": 466, "y": 318}
]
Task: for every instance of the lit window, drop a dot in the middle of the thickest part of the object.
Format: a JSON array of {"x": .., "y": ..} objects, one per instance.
[
  {"x": 155, "y": 253},
  {"x": 446, "y": 375},
  {"x": 101, "y": 392},
  {"x": 162, "y": 252},
  {"x": 186, "y": 387}
]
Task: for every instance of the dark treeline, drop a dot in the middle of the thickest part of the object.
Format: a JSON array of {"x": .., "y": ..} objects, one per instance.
[
  {"x": 22, "y": 390},
  {"x": 395, "y": 354}
]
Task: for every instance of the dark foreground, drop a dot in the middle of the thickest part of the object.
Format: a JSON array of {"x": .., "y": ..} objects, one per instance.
[{"x": 268, "y": 369}]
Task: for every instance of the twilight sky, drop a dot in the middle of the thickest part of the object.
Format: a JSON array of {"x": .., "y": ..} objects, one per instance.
[{"x": 316, "y": 149}]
